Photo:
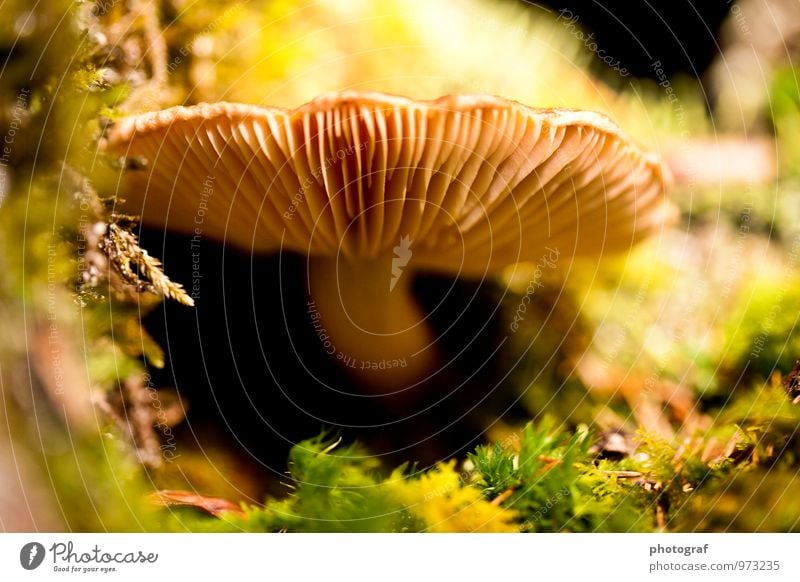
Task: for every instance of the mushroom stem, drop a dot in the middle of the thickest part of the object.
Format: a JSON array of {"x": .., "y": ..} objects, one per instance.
[{"x": 372, "y": 326}]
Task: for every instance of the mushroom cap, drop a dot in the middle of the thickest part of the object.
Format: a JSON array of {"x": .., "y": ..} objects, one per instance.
[{"x": 474, "y": 182}]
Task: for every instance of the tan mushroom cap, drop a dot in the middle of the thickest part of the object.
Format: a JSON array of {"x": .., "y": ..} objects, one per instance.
[
  {"x": 466, "y": 184},
  {"x": 476, "y": 182}
]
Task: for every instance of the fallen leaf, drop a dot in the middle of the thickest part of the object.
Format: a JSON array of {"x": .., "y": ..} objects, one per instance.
[{"x": 213, "y": 505}]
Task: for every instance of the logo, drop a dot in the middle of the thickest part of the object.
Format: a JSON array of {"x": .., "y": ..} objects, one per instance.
[
  {"x": 402, "y": 254},
  {"x": 31, "y": 555}
]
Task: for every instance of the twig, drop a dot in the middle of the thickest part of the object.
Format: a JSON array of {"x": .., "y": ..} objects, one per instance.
[{"x": 503, "y": 497}]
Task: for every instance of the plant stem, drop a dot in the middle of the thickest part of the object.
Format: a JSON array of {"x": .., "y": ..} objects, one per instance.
[{"x": 376, "y": 331}]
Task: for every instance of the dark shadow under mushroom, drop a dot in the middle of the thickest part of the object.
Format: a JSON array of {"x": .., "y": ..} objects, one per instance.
[{"x": 249, "y": 363}]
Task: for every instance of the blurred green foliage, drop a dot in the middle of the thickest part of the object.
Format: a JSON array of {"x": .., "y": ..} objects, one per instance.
[
  {"x": 784, "y": 111},
  {"x": 50, "y": 120}
]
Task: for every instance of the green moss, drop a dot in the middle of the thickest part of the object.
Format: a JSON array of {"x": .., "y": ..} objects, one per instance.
[
  {"x": 763, "y": 329},
  {"x": 784, "y": 106}
]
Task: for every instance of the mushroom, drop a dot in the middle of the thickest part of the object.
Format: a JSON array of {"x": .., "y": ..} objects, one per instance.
[{"x": 370, "y": 186}]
